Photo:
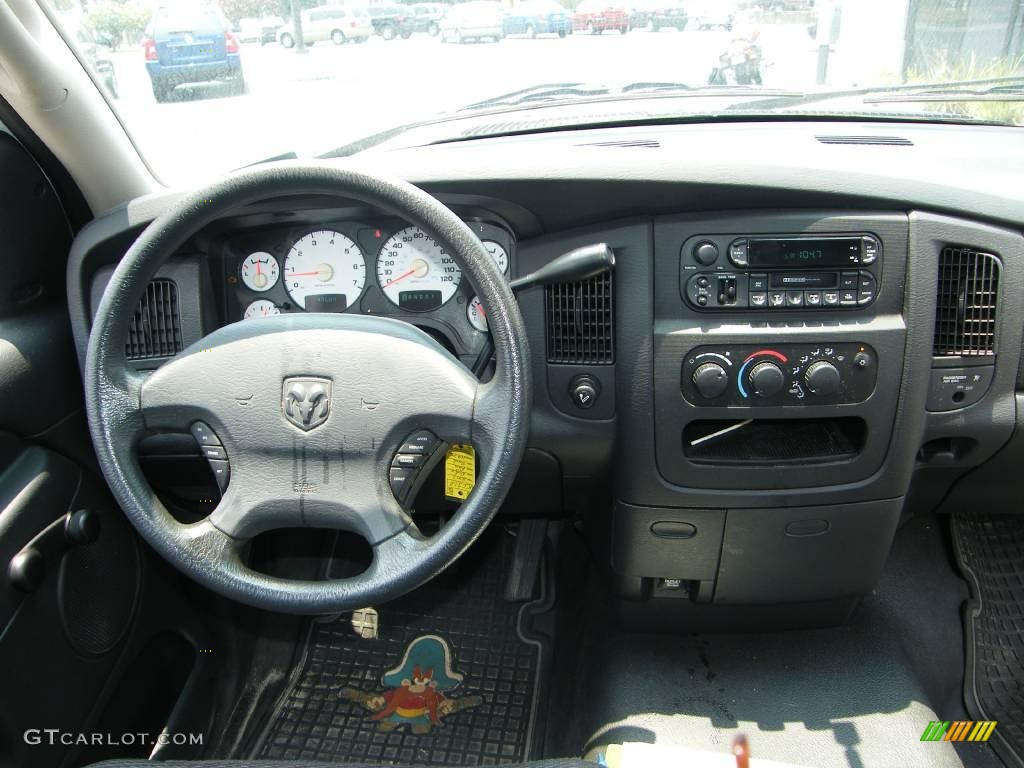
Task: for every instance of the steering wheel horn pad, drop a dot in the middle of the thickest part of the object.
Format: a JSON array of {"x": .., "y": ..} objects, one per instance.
[{"x": 322, "y": 462}]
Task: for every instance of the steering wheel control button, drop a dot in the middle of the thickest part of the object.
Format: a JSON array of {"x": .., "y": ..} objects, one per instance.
[
  {"x": 584, "y": 390},
  {"x": 215, "y": 452},
  {"x": 412, "y": 463},
  {"x": 203, "y": 434},
  {"x": 408, "y": 460},
  {"x": 221, "y": 473},
  {"x": 422, "y": 442},
  {"x": 401, "y": 481}
]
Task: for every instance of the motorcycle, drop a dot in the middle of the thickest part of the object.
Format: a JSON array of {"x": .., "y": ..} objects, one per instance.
[{"x": 741, "y": 64}]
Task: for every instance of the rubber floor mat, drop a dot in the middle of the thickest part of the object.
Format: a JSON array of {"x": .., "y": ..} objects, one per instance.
[
  {"x": 448, "y": 680},
  {"x": 990, "y": 549}
]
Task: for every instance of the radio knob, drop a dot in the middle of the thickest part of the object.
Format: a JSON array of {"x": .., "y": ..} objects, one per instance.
[
  {"x": 823, "y": 378},
  {"x": 711, "y": 380},
  {"x": 766, "y": 379},
  {"x": 705, "y": 253}
]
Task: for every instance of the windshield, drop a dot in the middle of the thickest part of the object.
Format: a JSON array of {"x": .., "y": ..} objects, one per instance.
[{"x": 204, "y": 87}]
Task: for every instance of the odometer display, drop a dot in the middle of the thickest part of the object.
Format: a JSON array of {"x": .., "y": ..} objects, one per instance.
[
  {"x": 415, "y": 272},
  {"x": 324, "y": 272}
]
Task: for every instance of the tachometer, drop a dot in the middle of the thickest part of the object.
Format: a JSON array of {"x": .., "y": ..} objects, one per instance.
[
  {"x": 416, "y": 272},
  {"x": 259, "y": 271},
  {"x": 325, "y": 272}
]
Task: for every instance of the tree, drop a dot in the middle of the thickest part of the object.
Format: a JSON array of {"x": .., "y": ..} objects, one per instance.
[
  {"x": 246, "y": 9},
  {"x": 117, "y": 22}
]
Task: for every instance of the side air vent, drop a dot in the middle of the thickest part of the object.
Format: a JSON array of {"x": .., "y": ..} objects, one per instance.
[
  {"x": 579, "y": 322},
  {"x": 883, "y": 141},
  {"x": 965, "y": 315},
  {"x": 155, "y": 328}
]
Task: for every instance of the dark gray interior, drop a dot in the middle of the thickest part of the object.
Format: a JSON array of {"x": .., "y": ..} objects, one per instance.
[{"x": 743, "y": 508}]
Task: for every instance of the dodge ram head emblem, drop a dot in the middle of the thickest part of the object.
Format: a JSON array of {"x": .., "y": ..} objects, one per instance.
[{"x": 306, "y": 401}]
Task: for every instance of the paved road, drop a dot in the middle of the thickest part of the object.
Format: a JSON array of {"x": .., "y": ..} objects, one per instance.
[{"x": 336, "y": 94}]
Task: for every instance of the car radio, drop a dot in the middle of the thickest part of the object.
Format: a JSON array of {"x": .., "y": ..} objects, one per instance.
[{"x": 780, "y": 272}]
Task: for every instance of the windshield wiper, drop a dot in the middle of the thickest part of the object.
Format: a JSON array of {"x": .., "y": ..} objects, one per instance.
[
  {"x": 1003, "y": 89},
  {"x": 554, "y": 92},
  {"x": 542, "y": 92},
  {"x": 992, "y": 89}
]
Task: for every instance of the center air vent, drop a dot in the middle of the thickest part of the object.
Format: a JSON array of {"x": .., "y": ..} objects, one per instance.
[
  {"x": 155, "y": 328},
  {"x": 579, "y": 322},
  {"x": 965, "y": 314},
  {"x": 883, "y": 141}
]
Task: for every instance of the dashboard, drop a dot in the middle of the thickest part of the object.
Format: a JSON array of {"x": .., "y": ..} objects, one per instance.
[{"x": 793, "y": 353}]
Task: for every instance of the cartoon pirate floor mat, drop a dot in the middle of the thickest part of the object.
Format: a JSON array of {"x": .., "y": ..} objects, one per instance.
[{"x": 443, "y": 678}]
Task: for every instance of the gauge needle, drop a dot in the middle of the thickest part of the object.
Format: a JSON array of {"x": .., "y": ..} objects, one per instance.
[{"x": 404, "y": 275}]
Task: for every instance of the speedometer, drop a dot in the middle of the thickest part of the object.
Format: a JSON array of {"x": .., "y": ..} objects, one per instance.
[
  {"x": 325, "y": 272},
  {"x": 416, "y": 272}
]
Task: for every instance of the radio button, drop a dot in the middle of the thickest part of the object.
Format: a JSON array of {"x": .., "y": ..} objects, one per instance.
[
  {"x": 738, "y": 253},
  {"x": 870, "y": 250},
  {"x": 848, "y": 280},
  {"x": 848, "y": 298},
  {"x": 759, "y": 282},
  {"x": 812, "y": 298},
  {"x": 830, "y": 298},
  {"x": 795, "y": 298},
  {"x": 759, "y": 300},
  {"x": 777, "y": 299}
]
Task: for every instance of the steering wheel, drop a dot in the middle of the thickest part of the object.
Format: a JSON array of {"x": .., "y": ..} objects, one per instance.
[{"x": 309, "y": 409}]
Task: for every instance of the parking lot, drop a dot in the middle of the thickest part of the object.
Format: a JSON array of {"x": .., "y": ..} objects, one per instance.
[{"x": 335, "y": 94}]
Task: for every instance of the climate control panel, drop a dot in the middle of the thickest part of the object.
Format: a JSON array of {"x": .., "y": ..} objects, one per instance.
[{"x": 748, "y": 375}]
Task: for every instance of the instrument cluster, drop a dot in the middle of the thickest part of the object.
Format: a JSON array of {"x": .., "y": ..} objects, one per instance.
[{"x": 384, "y": 268}]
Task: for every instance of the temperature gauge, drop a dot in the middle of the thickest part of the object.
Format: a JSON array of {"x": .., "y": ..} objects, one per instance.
[
  {"x": 476, "y": 315},
  {"x": 261, "y": 308},
  {"x": 259, "y": 271}
]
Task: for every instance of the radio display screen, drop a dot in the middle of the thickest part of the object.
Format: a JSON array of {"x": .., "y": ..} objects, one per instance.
[{"x": 804, "y": 252}]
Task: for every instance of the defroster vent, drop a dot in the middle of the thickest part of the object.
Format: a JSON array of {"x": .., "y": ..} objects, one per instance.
[
  {"x": 580, "y": 328},
  {"x": 965, "y": 315},
  {"x": 155, "y": 328}
]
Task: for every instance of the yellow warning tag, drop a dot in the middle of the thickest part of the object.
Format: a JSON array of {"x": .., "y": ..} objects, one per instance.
[{"x": 459, "y": 472}]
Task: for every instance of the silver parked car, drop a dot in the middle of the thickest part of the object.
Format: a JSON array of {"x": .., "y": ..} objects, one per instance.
[{"x": 473, "y": 21}]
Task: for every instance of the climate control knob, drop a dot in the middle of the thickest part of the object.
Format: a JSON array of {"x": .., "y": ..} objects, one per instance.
[
  {"x": 711, "y": 380},
  {"x": 766, "y": 379},
  {"x": 822, "y": 378}
]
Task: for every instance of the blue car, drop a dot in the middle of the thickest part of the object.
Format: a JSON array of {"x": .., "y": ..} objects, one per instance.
[
  {"x": 190, "y": 43},
  {"x": 538, "y": 17}
]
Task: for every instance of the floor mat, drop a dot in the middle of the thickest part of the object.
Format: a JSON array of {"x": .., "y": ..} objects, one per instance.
[
  {"x": 449, "y": 679},
  {"x": 990, "y": 549}
]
